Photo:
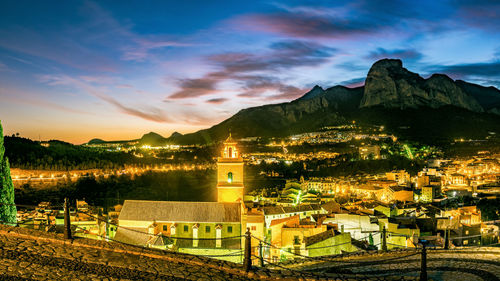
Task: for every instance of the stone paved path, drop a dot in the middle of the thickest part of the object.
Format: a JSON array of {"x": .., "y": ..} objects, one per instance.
[
  {"x": 454, "y": 265},
  {"x": 31, "y": 255},
  {"x": 30, "y": 259}
]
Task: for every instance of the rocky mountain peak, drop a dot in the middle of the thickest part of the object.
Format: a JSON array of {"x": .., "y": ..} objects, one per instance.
[
  {"x": 390, "y": 85},
  {"x": 314, "y": 92}
]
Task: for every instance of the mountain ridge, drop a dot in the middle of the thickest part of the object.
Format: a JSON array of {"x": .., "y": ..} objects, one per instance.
[
  {"x": 389, "y": 87},
  {"x": 390, "y": 90}
]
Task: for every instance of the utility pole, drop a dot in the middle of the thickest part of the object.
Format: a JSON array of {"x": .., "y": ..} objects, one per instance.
[
  {"x": 67, "y": 221},
  {"x": 261, "y": 254},
  {"x": 384, "y": 239},
  {"x": 247, "y": 259},
  {"x": 423, "y": 264},
  {"x": 446, "y": 239}
]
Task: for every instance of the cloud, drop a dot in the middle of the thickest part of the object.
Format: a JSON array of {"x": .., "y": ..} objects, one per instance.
[
  {"x": 354, "y": 83},
  {"x": 404, "y": 54},
  {"x": 485, "y": 69},
  {"x": 93, "y": 41},
  {"x": 350, "y": 20},
  {"x": 152, "y": 114},
  {"x": 194, "y": 88},
  {"x": 142, "y": 50},
  {"x": 255, "y": 74},
  {"x": 217, "y": 100},
  {"x": 482, "y": 14},
  {"x": 305, "y": 25}
]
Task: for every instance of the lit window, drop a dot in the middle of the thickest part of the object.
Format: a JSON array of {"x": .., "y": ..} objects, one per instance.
[
  {"x": 254, "y": 227},
  {"x": 230, "y": 177}
]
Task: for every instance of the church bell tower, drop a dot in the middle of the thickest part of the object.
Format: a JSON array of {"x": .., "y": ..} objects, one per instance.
[{"x": 230, "y": 173}]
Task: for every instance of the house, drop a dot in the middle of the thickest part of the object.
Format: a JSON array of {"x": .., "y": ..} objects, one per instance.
[
  {"x": 329, "y": 242},
  {"x": 278, "y": 212}
]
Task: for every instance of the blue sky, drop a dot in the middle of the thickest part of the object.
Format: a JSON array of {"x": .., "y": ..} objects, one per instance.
[{"x": 75, "y": 70}]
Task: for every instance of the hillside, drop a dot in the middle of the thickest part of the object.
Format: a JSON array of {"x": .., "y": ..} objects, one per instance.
[{"x": 315, "y": 109}]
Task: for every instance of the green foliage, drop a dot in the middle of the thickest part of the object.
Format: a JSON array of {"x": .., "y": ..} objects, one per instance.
[
  {"x": 7, "y": 210},
  {"x": 490, "y": 209}
]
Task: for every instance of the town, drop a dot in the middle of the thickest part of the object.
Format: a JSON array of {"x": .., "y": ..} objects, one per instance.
[{"x": 311, "y": 217}]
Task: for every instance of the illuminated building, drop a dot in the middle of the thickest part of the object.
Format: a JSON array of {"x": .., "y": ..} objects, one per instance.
[
  {"x": 230, "y": 173},
  {"x": 369, "y": 152}
]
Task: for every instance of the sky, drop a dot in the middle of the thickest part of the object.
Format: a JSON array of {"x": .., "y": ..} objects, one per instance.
[{"x": 77, "y": 70}]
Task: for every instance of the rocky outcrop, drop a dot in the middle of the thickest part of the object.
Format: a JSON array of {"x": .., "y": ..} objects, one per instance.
[{"x": 390, "y": 85}]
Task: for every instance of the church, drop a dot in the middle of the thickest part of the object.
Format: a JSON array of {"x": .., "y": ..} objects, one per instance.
[{"x": 201, "y": 228}]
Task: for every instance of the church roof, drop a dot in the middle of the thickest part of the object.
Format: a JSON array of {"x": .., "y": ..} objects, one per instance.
[
  {"x": 134, "y": 236},
  {"x": 174, "y": 211}
]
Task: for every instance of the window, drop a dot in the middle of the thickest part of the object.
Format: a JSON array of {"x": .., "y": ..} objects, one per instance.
[
  {"x": 230, "y": 152},
  {"x": 229, "y": 229},
  {"x": 207, "y": 229},
  {"x": 230, "y": 177},
  {"x": 165, "y": 227},
  {"x": 253, "y": 228},
  {"x": 466, "y": 232},
  {"x": 186, "y": 228}
]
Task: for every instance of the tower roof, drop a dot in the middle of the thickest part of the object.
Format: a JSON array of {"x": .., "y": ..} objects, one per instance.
[{"x": 229, "y": 139}]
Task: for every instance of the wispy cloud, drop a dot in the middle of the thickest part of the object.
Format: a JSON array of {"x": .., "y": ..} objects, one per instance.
[
  {"x": 353, "y": 83},
  {"x": 305, "y": 25},
  {"x": 217, "y": 100},
  {"x": 254, "y": 74},
  {"x": 195, "y": 88},
  {"x": 149, "y": 113},
  {"x": 485, "y": 69},
  {"x": 99, "y": 42},
  {"x": 404, "y": 54}
]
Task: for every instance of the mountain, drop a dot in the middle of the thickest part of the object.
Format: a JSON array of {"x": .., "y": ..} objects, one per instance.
[
  {"x": 152, "y": 139},
  {"x": 96, "y": 141},
  {"x": 317, "y": 108},
  {"x": 390, "y": 85},
  {"x": 407, "y": 104},
  {"x": 487, "y": 97}
]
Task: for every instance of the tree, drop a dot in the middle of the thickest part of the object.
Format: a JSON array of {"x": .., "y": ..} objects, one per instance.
[{"x": 8, "y": 210}]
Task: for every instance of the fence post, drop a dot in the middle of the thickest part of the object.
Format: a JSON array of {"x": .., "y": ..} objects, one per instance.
[
  {"x": 67, "y": 221},
  {"x": 384, "y": 239},
  {"x": 261, "y": 254},
  {"x": 247, "y": 260},
  {"x": 423, "y": 264},
  {"x": 446, "y": 239}
]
